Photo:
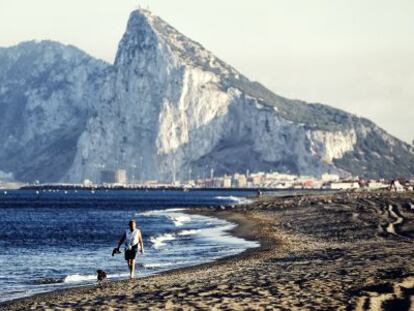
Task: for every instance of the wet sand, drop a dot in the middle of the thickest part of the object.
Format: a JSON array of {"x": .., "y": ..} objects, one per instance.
[{"x": 348, "y": 251}]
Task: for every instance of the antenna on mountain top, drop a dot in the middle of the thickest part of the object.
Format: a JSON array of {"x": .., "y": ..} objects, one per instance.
[{"x": 142, "y": 8}]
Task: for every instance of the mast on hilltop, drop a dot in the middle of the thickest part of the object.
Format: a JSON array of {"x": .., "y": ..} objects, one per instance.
[{"x": 141, "y": 7}]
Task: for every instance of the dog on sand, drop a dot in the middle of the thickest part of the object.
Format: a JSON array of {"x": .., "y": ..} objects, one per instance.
[{"x": 101, "y": 275}]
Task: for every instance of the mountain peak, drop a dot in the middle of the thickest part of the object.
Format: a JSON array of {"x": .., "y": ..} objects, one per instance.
[
  {"x": 138, "y": 17},
  {"x": 146, "y": 31},
  {"x": 168, "y": 100}
]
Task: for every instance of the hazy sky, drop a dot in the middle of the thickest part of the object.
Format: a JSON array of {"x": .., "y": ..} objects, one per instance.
[{"x": 357, "y": 55}]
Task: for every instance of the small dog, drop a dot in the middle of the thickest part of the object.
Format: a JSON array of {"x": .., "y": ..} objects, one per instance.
[{"x": 101, "y": 275}]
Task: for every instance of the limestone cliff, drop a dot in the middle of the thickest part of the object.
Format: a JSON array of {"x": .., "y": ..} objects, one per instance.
[{"x": 167, "y": 107}]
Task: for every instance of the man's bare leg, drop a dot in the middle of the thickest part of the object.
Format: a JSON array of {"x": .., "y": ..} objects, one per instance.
[
  {"x": 132, "y": 269},
  {"x": 129, "y": 267}
]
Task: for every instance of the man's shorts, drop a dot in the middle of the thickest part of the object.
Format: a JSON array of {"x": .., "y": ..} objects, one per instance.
[{"x": 131, "y": 253}]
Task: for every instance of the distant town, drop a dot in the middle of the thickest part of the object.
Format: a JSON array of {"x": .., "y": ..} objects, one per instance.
[{"x": 118, "y": 179}]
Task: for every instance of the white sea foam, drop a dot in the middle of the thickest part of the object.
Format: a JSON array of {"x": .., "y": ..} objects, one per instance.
[
  {"x": 82, "y": 278},
  {"x": 159, "y": 241},
  {"x": 179, "y": 219},
  {"x": 237, "y": 200},
  {"x": 174, "y": 214},
  {"x": 161, "y": 265},
  {"x": 189, "y": 232},
  {"x": 200, "y": 239},
  {"x": 76, "y": 278},
  {"x": 159, "y": 212},
  {"x": 222, "y": 233}
]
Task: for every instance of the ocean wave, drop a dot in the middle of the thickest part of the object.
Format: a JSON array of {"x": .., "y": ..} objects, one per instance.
[
  {"x": 159, "y": 212},
  {"x": 179, "y": 220},
  {"x": 161, "y": 265},
  {"x": 200, "y": 239},
  {"x": 159, "y": 241},
  {"x": 82, "y": 278},
  {"x": 77, "y": 278},
  {"x": 237, "y": 200},
  {"x": 174, "y": 214},
  {"x": 188, "y": 232}
]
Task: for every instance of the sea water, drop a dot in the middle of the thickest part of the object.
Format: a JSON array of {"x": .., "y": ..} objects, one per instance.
[{"x": 54, "y": 239}]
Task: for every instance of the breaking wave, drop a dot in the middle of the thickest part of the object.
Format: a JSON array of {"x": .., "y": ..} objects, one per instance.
[
  {"x": 188, "y": 232},
  {"x": 159, "y": 212},
  {"x": 162, "y": 265},
  {"x": 77, "y": 278},
  {"x": 160, "y": 241},
  {"x": 179, "y": 220},
  {"x": 233, "y": 199},
  {"x": 174, "y": 214}
]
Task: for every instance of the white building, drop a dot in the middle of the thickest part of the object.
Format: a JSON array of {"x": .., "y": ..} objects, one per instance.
[
  {"x": 373, "y": 184},
  {"x": 330, "y": 177},
  {"x": 121, "y": 177},
  {"x": 344, "y": 185},
  {"x": 87, "y": 183}
]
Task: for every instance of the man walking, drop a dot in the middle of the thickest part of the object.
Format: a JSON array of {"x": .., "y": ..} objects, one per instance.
[{"x": 132, "y": 239}]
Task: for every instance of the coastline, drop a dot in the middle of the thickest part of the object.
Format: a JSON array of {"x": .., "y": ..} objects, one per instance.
[
  {"x": 330, "y": 251},
  {"x": 242, "y": 230}
]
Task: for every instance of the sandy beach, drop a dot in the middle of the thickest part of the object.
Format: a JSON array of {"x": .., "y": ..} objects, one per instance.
[{"x": 348, "y": 251}]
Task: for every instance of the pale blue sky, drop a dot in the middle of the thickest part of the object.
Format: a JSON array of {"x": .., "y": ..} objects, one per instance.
[{"x": 357, "y": 55}]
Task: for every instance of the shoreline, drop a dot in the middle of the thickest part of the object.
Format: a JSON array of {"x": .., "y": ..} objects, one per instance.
[
  {"x": 317, "y": 252},
  {"x": 242, "y": 230}
]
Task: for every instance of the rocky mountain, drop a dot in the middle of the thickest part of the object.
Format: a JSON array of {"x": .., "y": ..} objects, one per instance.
[
  {"x": 169, "y": 108},
  {"x": 47, "y": 91}
]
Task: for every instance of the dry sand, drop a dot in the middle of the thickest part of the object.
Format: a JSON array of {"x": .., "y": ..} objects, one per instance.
[{"x": 349, "y": 251}]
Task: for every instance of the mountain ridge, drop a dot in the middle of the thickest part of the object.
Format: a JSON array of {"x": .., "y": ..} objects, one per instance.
[{"x": 168, "y": 108}]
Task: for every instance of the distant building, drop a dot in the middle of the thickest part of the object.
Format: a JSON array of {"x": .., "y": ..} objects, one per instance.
[
  {"x": 108, "y": 177},
  {"x": 308, "y": 184},
  {"x": 280, "y": 177},
  {"x": 330, "y": 177},
  {"x": 87, "y": 182},
  {"x": 373, "y": 184},
  {"x": 218, "y": 182},
  {"x": 345, "y": 185},
  {"x": 256, "y": 179},
  {"x": 240, "y": 181},
  {"x": 114, "y": 177},
  {"x": 396, "y": 186},
  {"x": 226, "y": 182},
  {"x": 121, "y": 177}
]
